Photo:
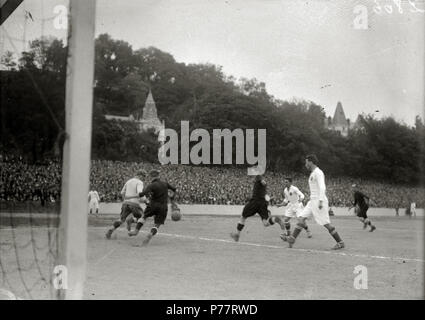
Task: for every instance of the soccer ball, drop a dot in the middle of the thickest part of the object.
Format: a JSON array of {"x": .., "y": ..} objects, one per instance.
[{"x": 175, "y": 213}]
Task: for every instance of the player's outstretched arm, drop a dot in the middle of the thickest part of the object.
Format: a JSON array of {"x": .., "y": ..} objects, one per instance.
[
  {"x": 172, "y": 196},
  {"x": 353, "y": 204},
  {"x": 373, "y": 202},
  {"x": 123, "y": 190},
  {"x": 283, "y": 204},
  {"x": 131, "y": 197},
  {"x": 172, "y": 188},
  {"x": 146, "y": 191},
  {"x": 322, "y": 188},
  {"x": 301, "y": 195}
]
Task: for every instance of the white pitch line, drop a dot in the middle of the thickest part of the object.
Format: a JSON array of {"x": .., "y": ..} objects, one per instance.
[
  {"x": 294, "y": 249},
  {"x": 339, "y": 227},
  {"x": 278, "y": 247},
  {"x": 378, "y": 228},
  {"x": 105, "y": 256}
]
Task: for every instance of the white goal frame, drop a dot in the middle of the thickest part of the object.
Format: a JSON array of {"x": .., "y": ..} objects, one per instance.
[{"x": 77, "y": 148}]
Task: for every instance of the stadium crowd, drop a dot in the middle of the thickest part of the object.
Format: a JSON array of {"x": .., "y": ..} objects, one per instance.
[
  {"x": 203, "y": 185},
  {"x": 20, "y": 181}
]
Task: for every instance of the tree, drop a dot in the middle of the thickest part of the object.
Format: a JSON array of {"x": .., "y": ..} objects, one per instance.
[
  {"x": 32, "y": 113},
  {"x": 8, "y": 61},
  {"x": 45, "y": 54},
  {"x": 33, "y": 99}
]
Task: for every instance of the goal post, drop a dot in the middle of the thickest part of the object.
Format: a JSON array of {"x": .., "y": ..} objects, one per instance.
[{"x": 77, "y": 147}]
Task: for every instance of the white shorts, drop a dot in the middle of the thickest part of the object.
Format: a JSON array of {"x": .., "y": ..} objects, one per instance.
[
  {"x": 94, "y": 204},
  {"x": 312, "y": 209},
  {"x": 293, "y": 210}
]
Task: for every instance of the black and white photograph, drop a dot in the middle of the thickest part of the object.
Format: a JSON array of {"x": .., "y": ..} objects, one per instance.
[{"x": 235, "y": 151}]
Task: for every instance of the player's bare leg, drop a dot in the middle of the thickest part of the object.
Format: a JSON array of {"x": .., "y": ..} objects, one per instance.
[
  {"x": 287, "y": 226},
  {"x": 339, "y": 243},
  {"x": 266, "y": 222},
  {"x": 284, "y": 236},
  {"x": 115, "y": 226},
  {"x": 363, "y": 220},
  {"x": 273, "y": 220},
  {"x": 297, "y": 230},
  {"x": 151, "y": 234},
  {"x": 129, "y": 221},
  {"x": 139, "y": 225},
  {"x": 367, "y": 222},
  {"x": 309, "y": 235},
  {"x": 301, "y": 225},
  {"x": 239, "y": 227}
]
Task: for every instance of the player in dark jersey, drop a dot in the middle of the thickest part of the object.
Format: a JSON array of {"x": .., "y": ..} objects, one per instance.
[
  {"x": 157, "y": 208},
  {"x": 361, "y": 205},
  {"x": 257, "y": 204}
]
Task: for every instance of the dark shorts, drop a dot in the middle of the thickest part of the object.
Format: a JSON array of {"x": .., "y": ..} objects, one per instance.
[
  {"x": 361, "y": 212},
  {"x": 256, "y": 206},
  {"x": 158, "y": 211},
  {"x": 127, "y": 209}
]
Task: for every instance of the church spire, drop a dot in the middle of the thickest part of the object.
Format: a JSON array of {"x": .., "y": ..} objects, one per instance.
[
  {"x": 150, "y": 117},
  {"x": 339, "y": 116},
  {"x": 339, "y": 121},
  {"x": 149, "y": 110}
]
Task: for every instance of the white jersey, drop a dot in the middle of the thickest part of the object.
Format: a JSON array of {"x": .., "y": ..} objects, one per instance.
[
  {"x": 293, "y": 195},
  {"x": 413, "y": 208},
  {"x": 94, "y": 196},
  {"x": 132, "y": 188},
  {"x": 317, "y": 185}
]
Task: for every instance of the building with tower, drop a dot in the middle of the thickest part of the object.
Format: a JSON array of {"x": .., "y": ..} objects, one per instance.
[
  {"x": 149, "y": 119},
  {"x": 339, "y": 122}
]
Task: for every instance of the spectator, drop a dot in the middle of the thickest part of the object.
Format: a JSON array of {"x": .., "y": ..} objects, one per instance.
[
  {"x": 413, "y": 209},
  {"x": 20, "y": 181}
]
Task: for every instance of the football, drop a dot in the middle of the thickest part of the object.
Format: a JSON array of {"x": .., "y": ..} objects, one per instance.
[{"x": 175, "y": 213}]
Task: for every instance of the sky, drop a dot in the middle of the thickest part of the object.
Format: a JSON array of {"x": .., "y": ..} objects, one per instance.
[{"x": 301, "y": 49}]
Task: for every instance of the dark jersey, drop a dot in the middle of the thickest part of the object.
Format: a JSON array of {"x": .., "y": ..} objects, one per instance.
[
  {"x": 361, "y": 200},
  {"x": 259, "y": 191},
  {"x": 158, "y": 190}
]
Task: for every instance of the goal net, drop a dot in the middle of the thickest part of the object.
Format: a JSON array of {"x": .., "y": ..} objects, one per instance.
[{"x": 47, "y": 56}]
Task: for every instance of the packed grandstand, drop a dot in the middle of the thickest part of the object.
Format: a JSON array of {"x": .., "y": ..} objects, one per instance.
[{"x": 21, "y": 181}]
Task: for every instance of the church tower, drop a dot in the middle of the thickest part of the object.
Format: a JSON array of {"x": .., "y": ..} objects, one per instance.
[
  {"x": 150, "y": 117},
  {"x": 339, "y": 122}
]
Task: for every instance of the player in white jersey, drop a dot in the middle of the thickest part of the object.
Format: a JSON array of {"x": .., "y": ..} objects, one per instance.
[
  {"x": 413, "y": 209},
  {"x": 317, "y": 206},
  {"x": 94, "y": 200},
  {"x": 130, "y": 209},
  {"x": 294, "y": 206}
]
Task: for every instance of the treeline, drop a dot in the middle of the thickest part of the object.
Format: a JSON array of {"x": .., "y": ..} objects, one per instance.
[{"x": 32, "y": 116}]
